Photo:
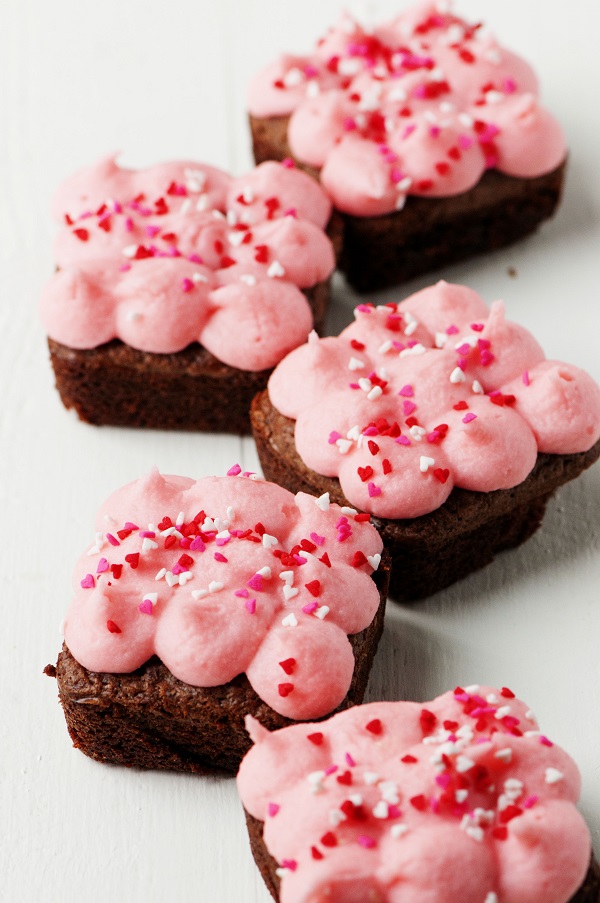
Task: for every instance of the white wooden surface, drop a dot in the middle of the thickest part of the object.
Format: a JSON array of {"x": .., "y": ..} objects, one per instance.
[{"x": 160, "y": 80}]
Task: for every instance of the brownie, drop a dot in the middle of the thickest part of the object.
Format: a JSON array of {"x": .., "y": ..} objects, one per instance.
[
  {"x": 116, "y": 385},
  {"x": 428, "y": 233},
  {"x": 589, "y": 892},
  {"x": 150, "y": 719},
  {"x": 140, "y": 322},
  {"x": 432, "y": 551}
]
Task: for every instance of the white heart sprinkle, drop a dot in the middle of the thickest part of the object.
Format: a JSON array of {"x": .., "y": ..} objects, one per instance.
[
  {"x": 171, "y": 579},
  {"x": 323, "y": 502},
  {"x": 269, "y": 541},
  {"x": 322, "y": 612},
  {"x": 151, "y": 597},
  {"x": 553, "y": 776},
  {"x": 374, "y": 560},
  {"x": 289, "y": 592},
  {"x": 214, "y": 586},
  {"x": 290, "y": 620},
  {"x": 288, "y": 576}
]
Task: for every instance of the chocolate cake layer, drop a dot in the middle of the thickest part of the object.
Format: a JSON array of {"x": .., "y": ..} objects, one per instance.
[
  {"x": 150, "y": 719},
  {"x": 116, "y": 385},
  {"x": 428, "y": 233},
  {"x": 432, "y": 551}
]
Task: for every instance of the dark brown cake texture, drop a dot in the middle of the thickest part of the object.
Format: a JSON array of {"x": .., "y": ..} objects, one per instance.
[
  {"x": 589, "y": 892},
  {"x": 428, "y": 233},
  {"x": 150, "y": 719},
  {"x": 432, "y": 551}
]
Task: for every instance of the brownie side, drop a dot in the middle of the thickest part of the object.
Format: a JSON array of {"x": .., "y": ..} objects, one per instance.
[
  {"x": 150, "y": 719},
  {"x": 589, "y": 892},
  {"x": 429, "y": 233},
  {"x": 116, "y": 385},
  {"x": 432, "y": 551}
]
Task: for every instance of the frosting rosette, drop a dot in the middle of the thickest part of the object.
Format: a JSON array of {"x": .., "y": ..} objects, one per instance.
[
  {"x": 182, "y": 252},
  {"x": 396, "y": 802},
  {"x": 437, "y": 391},
  {"x": 224, "y": 576},
  {"x": 423, "y": 104}
]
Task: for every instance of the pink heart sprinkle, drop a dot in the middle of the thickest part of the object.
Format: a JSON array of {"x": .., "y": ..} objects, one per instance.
[
  {"x": 408, "y": 407},
  {"x": 402, "y": 440},
  {"x": 241, "y": 593},
  {"x": 255, "y": 583},
  {"x": 469, "y": 417},
  {"x": 145, "y": 607},
  {"x": 102, "y": 566},
  {"x": 88, "y": 582},
  {"x": 373, "y": 490},
  {"x": 233, "y": 471},
  {"x": 197, "y": 545},
  {"x": 308, "y": 609},
  {"x": 365, "y": 841},
  {"x": 273, "y": 809},
  {"x": 406, "y": 391},
  {"x": 250, "y": 605}
]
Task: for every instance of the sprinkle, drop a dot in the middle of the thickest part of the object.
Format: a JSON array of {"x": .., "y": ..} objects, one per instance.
[
  {"x": 288, "y": 665},
  {"x": 290, "y": 620},
  {"x": 491, "y": 897},
  {"x": 88, "y": 582},
  {"x": 505, "y": 755},
  {"x": 316, "y": 738},
  {"x": 366, "y": 842},
  {"x": 214, "y": 586},
  {"x": 322, "y": 612},
  {"x": 289, "y": 592},
  {"x": 149, "y": 545},
  {"x": 398, "y": 831},
  {"x": 112, "y": 627},
  {"x": 146, "y": 606},
  {"x": 468, "y": 418},
  {"x": 273, "y": 809},
  {"x": 323, "y": 502},
  {"x": 234, "y": 470},
  {"x": 250, "y": 605},
  {"x": 374, "y": 560},
  {"x": 553, "y": 776},
  {"x": 374, "y": 727},
  {"x": 373, "y": 490},
  {"x": 457, "y": 376},
  {"x": 426, "y": 463},
  {"x": 275, "y": 270},
  {"x": 285, "y": 689}
]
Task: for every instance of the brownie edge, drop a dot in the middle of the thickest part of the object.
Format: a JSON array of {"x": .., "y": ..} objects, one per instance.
[
  {"x": 432, "y": 551},
  {"x": 150, "y": 719},
  {"x": 589, "y": 892}
]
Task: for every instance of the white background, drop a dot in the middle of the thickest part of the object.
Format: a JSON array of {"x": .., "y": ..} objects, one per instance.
[{"x": 163, "y": 80}]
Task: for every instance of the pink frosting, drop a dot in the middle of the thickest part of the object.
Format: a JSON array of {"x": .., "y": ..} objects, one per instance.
[
  {"x": 182, "y": 252},
  {"x": 223, "y": 576},
  {"x": 415, "y": 398},
  {"x": 396, "y": 802},
  {"x": 422, "y": 105}
]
